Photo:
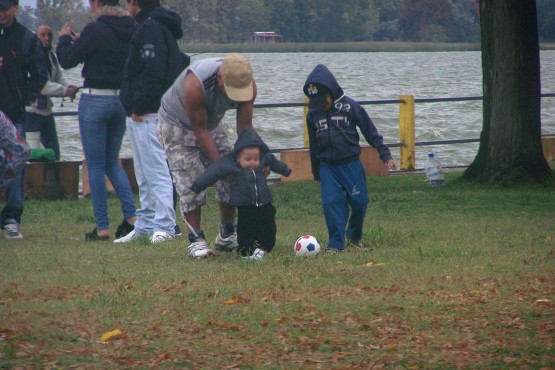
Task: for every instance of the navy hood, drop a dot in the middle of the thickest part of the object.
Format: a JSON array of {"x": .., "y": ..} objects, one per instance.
[
  {"x": 168, "y": 18},
  {"x": 249, "y": 137},
  {"x": 123, "y": 27},
  {"x": 321, "y": 75}
]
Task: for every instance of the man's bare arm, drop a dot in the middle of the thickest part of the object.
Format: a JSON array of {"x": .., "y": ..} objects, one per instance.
[
  {"x": 198, "y": 116},
  {"x": 245, "y": 112}
]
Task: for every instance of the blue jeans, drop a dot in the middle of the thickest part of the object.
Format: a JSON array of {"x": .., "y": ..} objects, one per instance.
[
  {"x": 13, "y": 208},
  {"x": 153, "y": 177},
  {"x": 102, "y": 126},
  {"x": 341, "y": 186},
  {"x": 47, "y": 128}
]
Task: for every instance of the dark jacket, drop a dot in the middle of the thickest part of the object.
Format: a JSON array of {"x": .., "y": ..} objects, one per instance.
[
  {"x": 154, "y": 60},
  {"x": 102, "y": 46},
  {"x": 333, "y": 135},
  {"x": 248, "y": 187},
  {"x": 24, "y": 71}
]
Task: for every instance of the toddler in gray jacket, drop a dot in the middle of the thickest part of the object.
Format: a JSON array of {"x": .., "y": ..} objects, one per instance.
[{"x": 250, "y": 193}]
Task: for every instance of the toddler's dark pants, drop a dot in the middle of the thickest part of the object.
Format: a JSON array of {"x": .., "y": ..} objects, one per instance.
[{"x": 256, "y": 224}]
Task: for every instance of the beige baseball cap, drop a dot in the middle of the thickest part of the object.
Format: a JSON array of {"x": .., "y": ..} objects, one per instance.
[{"x": 236, "y": 73}]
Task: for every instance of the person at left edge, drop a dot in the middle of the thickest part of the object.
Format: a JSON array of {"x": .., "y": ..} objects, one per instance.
[
  {"x": 23, "y": 73},
  {"x": 102, "y": 46},
  {"x": 153, "y": 63},
  {"x": 39, "y": 114}
]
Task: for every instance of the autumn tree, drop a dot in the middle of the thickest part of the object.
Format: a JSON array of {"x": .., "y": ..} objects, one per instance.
[
  {"x": 510, "y": 143},
  {"x": 56, "y": 13},
  {"x": 26, "y": 17},
  {"x": 424, "y": 20}
]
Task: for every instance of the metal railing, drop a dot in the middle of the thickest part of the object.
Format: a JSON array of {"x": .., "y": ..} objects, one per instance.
[{"x": 406, "y": 104}]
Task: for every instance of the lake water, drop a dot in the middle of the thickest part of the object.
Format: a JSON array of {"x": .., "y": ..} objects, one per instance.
[{"x": 363, "y": 76}]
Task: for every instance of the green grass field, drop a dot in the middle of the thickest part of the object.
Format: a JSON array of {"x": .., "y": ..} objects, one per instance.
[{"x": 460, "y": 276}]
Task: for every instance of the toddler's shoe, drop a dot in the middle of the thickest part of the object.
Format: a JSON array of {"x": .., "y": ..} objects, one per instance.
[{"x": 257, "y": 255}]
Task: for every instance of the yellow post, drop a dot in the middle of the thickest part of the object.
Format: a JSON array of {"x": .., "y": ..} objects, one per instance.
[
  {"x": 406, "y": 132},
  {"x": 305, "y": 130}
]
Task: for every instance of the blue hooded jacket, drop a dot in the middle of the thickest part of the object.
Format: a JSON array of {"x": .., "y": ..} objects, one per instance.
[{"x": 333, "y": 135}]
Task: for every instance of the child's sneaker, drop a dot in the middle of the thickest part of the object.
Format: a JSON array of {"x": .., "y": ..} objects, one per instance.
[
  {"x": 199, "y": 246},
  {"x": 11, "y": 230},
  {"x": 257, "y": 255},
  {"x": 358, "y": 245}
]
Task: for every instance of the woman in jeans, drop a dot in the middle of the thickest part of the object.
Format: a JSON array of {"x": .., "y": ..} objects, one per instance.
[{"x": 102, "y": 47}]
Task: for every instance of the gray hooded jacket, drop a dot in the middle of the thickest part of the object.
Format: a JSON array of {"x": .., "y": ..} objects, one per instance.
[{"x": 248, "y": 187}]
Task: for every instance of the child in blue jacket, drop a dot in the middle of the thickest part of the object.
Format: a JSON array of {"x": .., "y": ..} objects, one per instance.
[
  {"x": 332, "y": 122},
  {"x": 250, "y": 193}
]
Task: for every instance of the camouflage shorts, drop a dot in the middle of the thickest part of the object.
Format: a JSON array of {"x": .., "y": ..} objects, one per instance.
[{"x": 187, "y": 162}]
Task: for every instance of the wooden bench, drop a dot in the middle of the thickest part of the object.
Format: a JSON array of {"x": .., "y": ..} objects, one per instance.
[
  {"x": 126, "y": 163},
  {"x": 52, "y": 180},
  {"x": 61, "y": 180}
]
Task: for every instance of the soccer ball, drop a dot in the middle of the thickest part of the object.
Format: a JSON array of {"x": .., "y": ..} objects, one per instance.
[{"x": 306, "y": 246}]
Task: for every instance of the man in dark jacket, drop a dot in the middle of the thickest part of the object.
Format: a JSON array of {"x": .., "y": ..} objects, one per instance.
[
  {"x": 332, "y": 122},
  {"x": 250, "y": 193},
  {"x": 23, "y": 73},
  {"x": 153, "y": 63}
]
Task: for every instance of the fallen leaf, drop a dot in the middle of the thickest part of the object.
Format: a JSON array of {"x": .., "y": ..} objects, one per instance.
[
  {"x": 237, "y": 299},
  {"x": 111, "y": 335}
]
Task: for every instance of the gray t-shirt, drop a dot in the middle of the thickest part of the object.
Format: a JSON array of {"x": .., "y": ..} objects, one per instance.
[{"x": 172, "y": 107}]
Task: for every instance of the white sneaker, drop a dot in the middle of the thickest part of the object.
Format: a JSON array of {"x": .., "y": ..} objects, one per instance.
[
  {"x": 228, "y": 244},
  {"x": 11, "y": 231},
  {"x": 160, "y": 236},
  {"x": 257, "y": 255},
  {"x": 199, "y": 249},
  {"x": 128, "y": 238}
]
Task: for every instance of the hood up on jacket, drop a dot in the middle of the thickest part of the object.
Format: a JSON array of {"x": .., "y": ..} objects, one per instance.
[
  {"x": 249, "y": 137},
  {"x": 166, "y": 17},
  {"x": 118, "y": 20},
  {"x": 321, "y": 75}
]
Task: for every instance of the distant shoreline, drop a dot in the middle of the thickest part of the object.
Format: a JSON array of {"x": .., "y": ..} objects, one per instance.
[{"x": 342, "y": 47}]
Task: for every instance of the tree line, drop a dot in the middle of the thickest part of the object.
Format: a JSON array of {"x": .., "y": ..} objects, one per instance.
[{"x": 234, "y": 21}]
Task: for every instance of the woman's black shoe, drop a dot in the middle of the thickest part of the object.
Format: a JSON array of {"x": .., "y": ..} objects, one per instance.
[
  {"x": 124, "y": 228},
  {"x": 92, "y": 236}
]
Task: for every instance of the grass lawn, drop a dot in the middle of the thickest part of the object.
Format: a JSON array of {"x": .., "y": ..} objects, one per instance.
[{"x": 461, "y": 276}]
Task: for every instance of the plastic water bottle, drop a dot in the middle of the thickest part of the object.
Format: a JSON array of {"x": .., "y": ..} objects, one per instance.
[{"x": 434, "y": 171}]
